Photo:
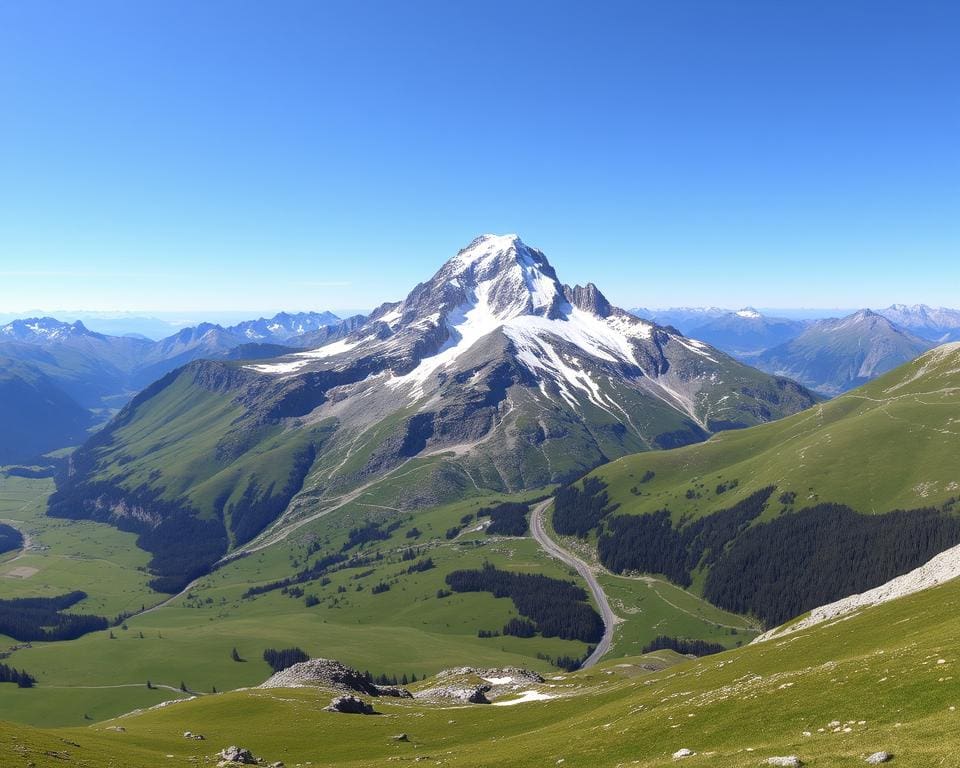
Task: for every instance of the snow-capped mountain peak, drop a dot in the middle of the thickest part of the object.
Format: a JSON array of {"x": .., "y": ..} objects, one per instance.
[
  {"x": 42, "y": 329},
  {"x": 504, "y": 273},
  {"x": 748, "y": 312}
]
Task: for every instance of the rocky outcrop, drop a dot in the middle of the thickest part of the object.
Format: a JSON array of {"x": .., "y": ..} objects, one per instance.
[
  {"x": 234, "y": 755},
  {"x": 328, "y": 673},
  {"x": 469, "y": 685},
  {"x": 350, "y": 705}
]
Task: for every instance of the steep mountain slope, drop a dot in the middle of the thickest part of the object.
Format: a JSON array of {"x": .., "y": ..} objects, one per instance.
[
  {"x": 490, "y": 375},
  {"x": 37, "y": 416},
  {"x": 938, "y": 324},
  {"x": 746, "y": 332},
  {"x": 832, "y": 356},
  {"x": 782, "y": 517}
]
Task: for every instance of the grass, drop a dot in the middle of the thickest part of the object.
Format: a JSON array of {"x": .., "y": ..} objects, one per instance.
[
  {"x": 69, "y": 555},
  {"x": 887, "y": 445},
  {"x": 407, "y": 630},
  {"x": 877, "y": 673}
]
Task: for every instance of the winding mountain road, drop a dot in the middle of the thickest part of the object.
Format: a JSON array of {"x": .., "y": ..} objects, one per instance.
[{"x": 553, "y": 549}]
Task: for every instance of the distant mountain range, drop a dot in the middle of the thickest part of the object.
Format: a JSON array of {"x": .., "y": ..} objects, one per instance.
[
  {"x": 936, "y": 324},
  {"x": 491, "y": 375},
  {"x": 830, "y": 355},
  {"x": 56, "y": 367},
  {"x": 835, "y": 355}
]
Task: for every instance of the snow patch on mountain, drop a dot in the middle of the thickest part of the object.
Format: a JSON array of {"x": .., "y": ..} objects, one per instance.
[{"x": 291, "y": 366}]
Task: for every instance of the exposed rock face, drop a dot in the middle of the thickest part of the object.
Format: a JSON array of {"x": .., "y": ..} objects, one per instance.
[
  {"x": 327, "y": 673},
  {"x": 469, "y": 694},
  {"x": 350, "y": 705},
  {"x": 470, "y": 685},
  {"x": 234, "y": 755}
]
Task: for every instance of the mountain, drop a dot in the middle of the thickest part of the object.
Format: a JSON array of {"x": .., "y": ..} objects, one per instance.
[
  {"x": 683, "y": 319},
  {"x": 936, "y": 324},
  {"x": 37, "y": 416},
  {"x": 746, "y": 332},
  {"x": 100, "y": 371},
  {"x": 835, "y": 355},
  {"x": 777, "y": 519},
  {"x": 284, "y": 326},
  {"x": 491, "y": 375},
  {"x": 94, "y": 369}
]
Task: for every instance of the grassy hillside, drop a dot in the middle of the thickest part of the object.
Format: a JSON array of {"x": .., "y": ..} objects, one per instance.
[
  {"x": 887, "y": 445},
  {"x": 776, "y": 519},
  {"x": 882, "y": 680},
  {"x": 406, "y": 630}
]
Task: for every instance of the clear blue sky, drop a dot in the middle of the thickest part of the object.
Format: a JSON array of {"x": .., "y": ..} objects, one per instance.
[{"x": 165, "y": 155}]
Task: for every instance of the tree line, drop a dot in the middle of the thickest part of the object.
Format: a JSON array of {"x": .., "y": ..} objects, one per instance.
[
  {"x": 19, "y": 676},
  {"x": 578, "y": 510},
  {"x": 688, "y": 647},
  {"x": 34, "y": 619},
  {"x": 780, "y": 569},
  {"x": 652, "y": 544},
  {"x": 557, "y": 608},
  {"x": 507, "y": 519},
  {"x": 283, "y": 658},
  {"x": 10, "y": 538}
]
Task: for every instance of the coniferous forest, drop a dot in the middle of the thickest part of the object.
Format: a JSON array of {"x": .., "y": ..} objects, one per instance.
[
  {"x": 19, "y": 676},
  {"x": 34, "y": 619},
  {"x": 772, "y": 570},
  {"x": 780, "y": 569},
  {"x": 10, "y": 538},
  {"x": 557, "y": 608}
]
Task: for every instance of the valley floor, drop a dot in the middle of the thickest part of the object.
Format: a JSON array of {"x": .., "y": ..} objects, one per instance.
[{"x": 883, "y": 680}]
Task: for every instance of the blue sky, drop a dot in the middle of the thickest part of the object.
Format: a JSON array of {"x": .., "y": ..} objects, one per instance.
[{"x": 261, "y": 156}]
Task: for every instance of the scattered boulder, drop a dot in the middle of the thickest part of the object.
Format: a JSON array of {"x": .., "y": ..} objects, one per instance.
[
  {"x": 681, "y": 753},
  {"x": 879, "y": 757},
  {"x": 191, "y": 735},
  {"x": 234, "y": 754},
  {"x": 350, "y": 705},
  {"x": 788, "y": 761},
  {"x": 116, "y": 728},
  {"x": 401, "y": 737}
]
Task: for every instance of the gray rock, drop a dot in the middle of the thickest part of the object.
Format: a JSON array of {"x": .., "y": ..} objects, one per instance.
[
  {"x": 327, "y": 673},
  {"x": 235, "y": 754},
  {"x": 401, "y": 737},
  {"x": 879, "y": 757},
  {"x": 350, "y": 705},
  {"x": 788, "y": 761},
  {"x": 681, "y": 753}
]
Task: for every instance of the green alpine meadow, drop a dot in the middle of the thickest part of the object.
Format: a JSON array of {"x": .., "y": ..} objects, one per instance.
[{"x": 493, "y": 385}]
